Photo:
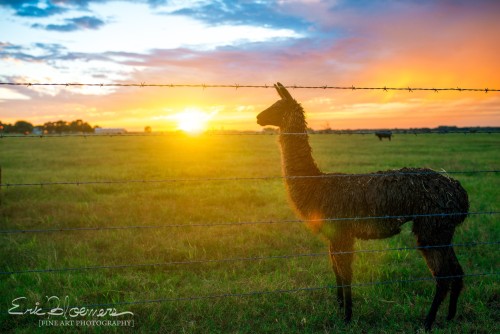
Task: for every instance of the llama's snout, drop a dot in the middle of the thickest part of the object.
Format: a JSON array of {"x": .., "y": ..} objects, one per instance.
[
  {"x": 260, "y": 121},
  {"x": 270, "y": 116}
]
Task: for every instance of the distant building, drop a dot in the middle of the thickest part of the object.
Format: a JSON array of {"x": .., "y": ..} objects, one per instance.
[
  {"x": 37, "y": 130},
  {"x": 110, "y": 131}
]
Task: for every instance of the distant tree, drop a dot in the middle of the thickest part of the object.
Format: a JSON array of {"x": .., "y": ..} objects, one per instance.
[
  {"x": 49, "y": 127},
  {"x": 86, "y": 127},
  {"x": 80, "y": 126},
  {"x": 148, "y": 129},
  {"x": 22, "y": 127},
  {"x": 75, "y": 126},
  {"x": 62, "y": 126}
]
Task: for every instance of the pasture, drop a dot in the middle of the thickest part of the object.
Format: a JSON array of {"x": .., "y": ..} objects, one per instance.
[{"x": 386, "y": 308}]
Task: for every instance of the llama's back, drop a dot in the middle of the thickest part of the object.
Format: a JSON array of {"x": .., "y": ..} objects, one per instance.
[
  {"x": 410, "y": 191},
  {"x": 406, "y": 193}
]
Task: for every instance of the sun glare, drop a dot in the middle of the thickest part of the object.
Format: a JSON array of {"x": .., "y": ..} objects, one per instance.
[{"x": 192, "y": 120}]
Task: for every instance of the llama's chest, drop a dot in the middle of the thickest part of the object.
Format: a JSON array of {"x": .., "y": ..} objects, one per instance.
[{"x": 304, "y": 199}]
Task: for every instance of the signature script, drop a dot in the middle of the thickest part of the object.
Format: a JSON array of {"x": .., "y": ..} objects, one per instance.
[{"x": 61, "y": 308}]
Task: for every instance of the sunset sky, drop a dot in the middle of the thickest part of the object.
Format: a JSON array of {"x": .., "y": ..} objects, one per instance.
[{"x": 298, "y": 42}]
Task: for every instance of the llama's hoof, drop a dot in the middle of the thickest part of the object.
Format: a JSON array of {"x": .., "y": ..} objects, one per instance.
[{"x": 347, "y": 319}]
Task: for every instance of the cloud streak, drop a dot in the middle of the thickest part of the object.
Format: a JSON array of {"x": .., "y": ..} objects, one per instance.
[
  {"x": 74, "y": 24},
  {"x": 267, "y": 14},
  {"x": 45, "y": 8}
]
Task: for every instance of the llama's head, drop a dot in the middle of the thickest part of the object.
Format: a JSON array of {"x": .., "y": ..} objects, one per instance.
[{"x": 276, "y": 114}]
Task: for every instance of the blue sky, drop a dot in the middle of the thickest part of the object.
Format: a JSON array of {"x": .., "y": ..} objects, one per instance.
[{"x": 394, "y": 43}]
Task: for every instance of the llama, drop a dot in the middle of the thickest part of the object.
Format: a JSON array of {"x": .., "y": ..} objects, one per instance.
[{"x": 412, "y": 194}]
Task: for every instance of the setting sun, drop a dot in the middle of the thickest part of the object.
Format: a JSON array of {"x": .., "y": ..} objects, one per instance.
[{"x": 192, "y": 120}]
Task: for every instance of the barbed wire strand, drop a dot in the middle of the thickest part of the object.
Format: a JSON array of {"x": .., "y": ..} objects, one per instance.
[
  {"x": 243, "y": 259},
  {"x": 242, "y": 133},
  {"x": 208, "y": 179},
  {"x": 291, "y": 221},
  {"x": 280, "y": 291},
  {"x": 238, "y": 86}
]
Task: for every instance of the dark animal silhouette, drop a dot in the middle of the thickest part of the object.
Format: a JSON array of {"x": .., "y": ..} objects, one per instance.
[
  {"x": 317, "y": 197},
  {"x": 383, "y": 134}
]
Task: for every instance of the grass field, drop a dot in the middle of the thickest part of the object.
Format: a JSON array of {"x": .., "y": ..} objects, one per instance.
[{"x": 391, "y": 308}]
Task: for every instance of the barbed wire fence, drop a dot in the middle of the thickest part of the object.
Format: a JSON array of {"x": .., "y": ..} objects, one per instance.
[
  {"x": 248, "y": 133},
  {"x": 7, "y": 185},
  {"x": 242, "y": 223},
  {"x": 255, "y": 178},
  {"x": 285, "y": 291},
  {"x": 244, "y": 259},
  {"x": 238, "y": 86}
]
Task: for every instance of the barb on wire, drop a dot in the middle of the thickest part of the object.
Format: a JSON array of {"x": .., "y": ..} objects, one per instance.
[
  {"x": 280, "y": 291},
  {"x": 222, "y": 179},
  {"x": 237, "y": 86},
  {"x": 241, "y": 259},
  {"x": 290, "y": 221}
]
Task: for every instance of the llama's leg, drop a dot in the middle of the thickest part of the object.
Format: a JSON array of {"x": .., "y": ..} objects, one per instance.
[
  {"x": 342, "y": 256},
  {"x": 442, "y": 287},
  {"x": 348, "y": 293},
  {"x": 456, "y": 288},
  {"x": 456, "y": 285},
  {"x": 441, "y": 264},
  {"x": 340, "y": 284},
  {"x": 435, "y": 259}
]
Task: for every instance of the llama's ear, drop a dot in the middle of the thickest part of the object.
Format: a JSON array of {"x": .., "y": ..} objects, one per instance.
[
  {"x": 283, "y": 92},
  {"x": 278, "y": 89}
]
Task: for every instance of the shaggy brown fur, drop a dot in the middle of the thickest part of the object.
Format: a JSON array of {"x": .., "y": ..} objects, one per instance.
[{"x": 402, "y": 192}]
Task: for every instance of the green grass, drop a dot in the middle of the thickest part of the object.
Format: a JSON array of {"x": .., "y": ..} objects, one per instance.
[{"x": 393, "y": 308}]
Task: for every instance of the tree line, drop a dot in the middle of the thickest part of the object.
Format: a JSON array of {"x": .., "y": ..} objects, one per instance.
[{"x": 24, "y": 127}]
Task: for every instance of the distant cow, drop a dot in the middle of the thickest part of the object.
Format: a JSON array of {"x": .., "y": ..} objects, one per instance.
[{"x": 383, "y": 134}]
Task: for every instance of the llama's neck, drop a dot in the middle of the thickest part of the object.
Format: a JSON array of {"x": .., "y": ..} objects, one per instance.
[
  {"x": 297, "y": 160},
  {"x": 295, "y": 149}
]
